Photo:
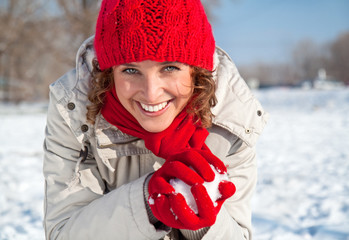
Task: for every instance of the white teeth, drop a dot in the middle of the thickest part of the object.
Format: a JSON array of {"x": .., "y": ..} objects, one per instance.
[{"x": 153, "y": 108}]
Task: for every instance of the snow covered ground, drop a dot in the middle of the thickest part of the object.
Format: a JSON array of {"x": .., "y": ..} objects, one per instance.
[
  {"x": 21, "y": 180},
  {"x": 303, "y": 159}
]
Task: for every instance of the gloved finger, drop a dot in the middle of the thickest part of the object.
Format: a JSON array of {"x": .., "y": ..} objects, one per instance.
[
  {"x": 177, "y": 169},
  {"x": 205, "y": 205},
  {"x": 184, "y": 213},
  {"x": 159, "y": 185},
  {"x": 227, "y": 189},
  {"x": 195, "y": 160},
  {"x": 213, "y": 160},
  {"x": 166, "y": 215}
]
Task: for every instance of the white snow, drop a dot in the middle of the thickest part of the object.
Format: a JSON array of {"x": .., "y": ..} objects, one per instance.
[
  {"x": 21, "y": 180},
  {"x": 303, "y": 161},
  {"x": 211, "y": 188},
  {"x": 151, "y": 201}
]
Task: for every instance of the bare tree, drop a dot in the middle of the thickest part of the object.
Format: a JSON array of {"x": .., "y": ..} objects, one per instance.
[
  {"x": 36, "y": 48},
  {"x": 339, "y": 60},
  {"x": 269, "y": 74},
  {"x": 17, "y": 40},
  {"x": 308, "y": 58},
  {"x": 80, "y": 17}
]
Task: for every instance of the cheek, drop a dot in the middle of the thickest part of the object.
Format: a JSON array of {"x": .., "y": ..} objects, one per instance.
[
  {"x": 185, "y": 93},
  {"x": 184, "y": 86},
  {"x": 123, "y": 89}
]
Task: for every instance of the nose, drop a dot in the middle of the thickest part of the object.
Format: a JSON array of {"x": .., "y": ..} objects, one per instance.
[{"x": 152, "y": 87}]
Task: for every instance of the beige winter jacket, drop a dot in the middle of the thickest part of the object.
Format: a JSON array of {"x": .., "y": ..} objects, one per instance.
[{"x": 102, "y": 197}]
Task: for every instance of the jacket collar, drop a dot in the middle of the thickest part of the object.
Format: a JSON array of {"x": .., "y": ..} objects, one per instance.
[
  {"x": 237, "y": 110},
  {"x": 84, "y": 67}
]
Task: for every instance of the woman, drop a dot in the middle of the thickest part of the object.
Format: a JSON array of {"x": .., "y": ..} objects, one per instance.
[{"x": 151, "y": 100}]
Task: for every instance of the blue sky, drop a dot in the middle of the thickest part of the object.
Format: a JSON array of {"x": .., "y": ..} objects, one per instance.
[{"x": 267, "y": 30}]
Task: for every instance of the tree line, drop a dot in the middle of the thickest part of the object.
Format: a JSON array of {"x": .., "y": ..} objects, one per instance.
[
  {"x": 39, "y": 40},
  {"x": 306, "y": 59}
]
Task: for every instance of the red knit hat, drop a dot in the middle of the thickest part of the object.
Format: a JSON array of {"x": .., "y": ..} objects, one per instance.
[{"x": 158, "y": 30}]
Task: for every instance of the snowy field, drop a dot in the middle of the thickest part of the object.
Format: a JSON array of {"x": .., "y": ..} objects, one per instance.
[{"x": 303, "y": 159}]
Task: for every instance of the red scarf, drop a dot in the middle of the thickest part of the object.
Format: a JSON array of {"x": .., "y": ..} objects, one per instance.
[{"x": 182, "y": 134}]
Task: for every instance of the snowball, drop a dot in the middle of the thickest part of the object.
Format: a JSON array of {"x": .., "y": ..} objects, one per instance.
[
  {"x": 211, "y": 188},
  {"x": 151, "y": 201}
]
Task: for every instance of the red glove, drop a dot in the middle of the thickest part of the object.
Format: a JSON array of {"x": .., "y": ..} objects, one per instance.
[
  {"x": 178, "y": 166},
  {"x": 170, "y": 207},
  {"x": 173, "y": 211}
]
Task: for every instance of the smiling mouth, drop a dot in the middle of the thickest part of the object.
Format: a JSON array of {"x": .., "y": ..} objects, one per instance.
[{"x": 153, "y": 108}]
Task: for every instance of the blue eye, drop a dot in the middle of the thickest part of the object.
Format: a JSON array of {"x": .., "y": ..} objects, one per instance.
[
  {"x": 130, "y": 71},
  {"x": 171, "y": 68}
]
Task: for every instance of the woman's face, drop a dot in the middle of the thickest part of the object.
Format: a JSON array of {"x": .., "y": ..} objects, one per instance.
[{"x": 153, "y": 92}]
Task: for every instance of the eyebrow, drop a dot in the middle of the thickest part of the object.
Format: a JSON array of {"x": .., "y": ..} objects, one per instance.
[
  {"x": 167, "y": 62},
  {"x": 161, "y": 63},
  {"x": 129, "y": 65}
]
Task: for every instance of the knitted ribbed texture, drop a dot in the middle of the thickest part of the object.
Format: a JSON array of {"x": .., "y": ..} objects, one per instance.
[
  {"x": 194, "y": 235},
  {"x": 152, "y": 218},
  {"x": 188, "y": 234},
  {"x": 158, "y": 30}
]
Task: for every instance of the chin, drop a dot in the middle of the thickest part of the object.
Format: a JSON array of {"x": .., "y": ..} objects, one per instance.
[{"x": 155, "y": 128}]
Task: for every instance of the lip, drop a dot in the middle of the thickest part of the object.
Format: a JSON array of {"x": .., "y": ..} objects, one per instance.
[{"x": 153, "y": 114}]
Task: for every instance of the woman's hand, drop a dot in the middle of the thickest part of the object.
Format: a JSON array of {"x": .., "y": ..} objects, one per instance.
[
  {"x": 173, "y": 210},
  {"x": 193, "y": 168}
]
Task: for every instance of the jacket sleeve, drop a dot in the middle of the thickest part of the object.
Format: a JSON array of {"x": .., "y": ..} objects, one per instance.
[
  {"x": 234, "y": 219},
  {"x": 80, "y": 209}
]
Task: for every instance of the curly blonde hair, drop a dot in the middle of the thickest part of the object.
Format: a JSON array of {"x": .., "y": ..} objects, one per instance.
[{"x": 202, "y": 101}]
